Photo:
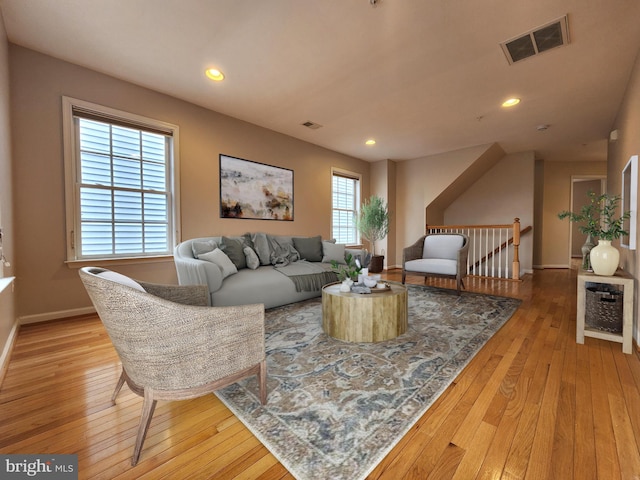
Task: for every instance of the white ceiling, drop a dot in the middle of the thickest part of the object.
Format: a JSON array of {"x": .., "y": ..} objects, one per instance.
[{"x": 420, "y": 76}]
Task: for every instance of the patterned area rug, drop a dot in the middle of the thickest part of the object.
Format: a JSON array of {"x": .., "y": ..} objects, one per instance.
[{"x": 335, "y": 409}]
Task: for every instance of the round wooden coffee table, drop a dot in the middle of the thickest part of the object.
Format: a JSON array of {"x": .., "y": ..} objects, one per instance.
[{"x": 367, "y": 317}]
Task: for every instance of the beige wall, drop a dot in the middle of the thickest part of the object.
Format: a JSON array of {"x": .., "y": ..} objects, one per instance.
[
  {"x": 48, "y": 287},
  {"x": 7, "y": 305},
  {"x": 383, "y": 175},
  {"x": 503, "y": 193},
  {"x": 627, "y": 123},
  {"x": 557, "y": 197},
  {"x": 418, "y": 183}
]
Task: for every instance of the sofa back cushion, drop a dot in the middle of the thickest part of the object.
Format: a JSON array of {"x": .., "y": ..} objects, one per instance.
[
  {"x": 309, "y": 248},
  {"x": 233, "y": 247},
  {"x": 442, "y": 246}
]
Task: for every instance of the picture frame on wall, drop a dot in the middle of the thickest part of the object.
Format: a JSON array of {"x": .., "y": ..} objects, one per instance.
[
  {"x": 630, "y": 201},
  {"x": 256, "y": 191}
]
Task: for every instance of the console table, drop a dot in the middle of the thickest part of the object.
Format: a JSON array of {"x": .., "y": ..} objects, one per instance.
[{"x": 621, "y": 277}]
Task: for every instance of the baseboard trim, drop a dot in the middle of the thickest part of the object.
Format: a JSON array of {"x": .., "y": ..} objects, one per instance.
[
  {"x": 45, "y": 317},
  {"x": 8, "y": 348},
  {"x": 542, "y": 267}
]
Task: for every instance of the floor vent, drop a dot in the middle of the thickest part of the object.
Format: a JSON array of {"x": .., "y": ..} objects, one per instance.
[
  {"x": 551, "y": 35},
  {"x": 311, "y": 125}
]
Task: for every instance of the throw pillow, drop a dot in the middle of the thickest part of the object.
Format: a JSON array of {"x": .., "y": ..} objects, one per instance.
[
  {"x": 221, "y": 260},
  {"x": 233, "y": 247},
  {"x": 122, "y": 279},
  {"x": 253, "y": 261},
  {"x": 310, "y": 249},
  {"x": 261, "y": 246},
  {"x": 202, "y": 246},
  {"x": 333, "y": 251}
]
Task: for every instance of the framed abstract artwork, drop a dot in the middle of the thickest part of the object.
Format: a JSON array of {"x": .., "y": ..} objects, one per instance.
[{"x": 252, "y": 190}]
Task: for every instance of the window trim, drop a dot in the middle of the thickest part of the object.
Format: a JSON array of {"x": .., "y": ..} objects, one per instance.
[
  {"x": 339, "y": 172},
  {"x": 69, "y": 104}
]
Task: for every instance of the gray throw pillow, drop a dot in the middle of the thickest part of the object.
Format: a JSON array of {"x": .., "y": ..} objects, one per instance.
[
  {"x": 199, "y": 247},
  {"x": 233, "y": 247},
  {"x": 253, "y": 261},
  {"x": 333, "y": 251},
  {"x": 221, "y": 260},
  {"x": 309, "y": 248}
]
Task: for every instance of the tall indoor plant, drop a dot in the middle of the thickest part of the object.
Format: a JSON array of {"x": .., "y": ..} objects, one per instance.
[
  {"x": 373, "y": 224},
  {"x": 599, "y": 220}
]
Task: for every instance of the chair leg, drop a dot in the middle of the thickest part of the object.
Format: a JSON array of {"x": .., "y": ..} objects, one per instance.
[
  {"x": 118, "y": 387},
  {"x": 148, "y": 407},
  {"x": 404, "y": 276},
  {"x": 262, "y": 380}
]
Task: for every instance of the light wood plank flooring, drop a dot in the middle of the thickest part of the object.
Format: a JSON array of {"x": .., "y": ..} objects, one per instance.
[{"x": 531, "y": 405}]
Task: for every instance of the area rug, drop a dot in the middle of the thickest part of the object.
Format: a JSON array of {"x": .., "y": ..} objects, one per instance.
[{"x": 335, "y": 409}]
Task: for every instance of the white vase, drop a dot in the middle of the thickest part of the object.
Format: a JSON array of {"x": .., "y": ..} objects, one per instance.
[
  {"x": 346, "y": 285},
  {"x": 604, "y": 258}
]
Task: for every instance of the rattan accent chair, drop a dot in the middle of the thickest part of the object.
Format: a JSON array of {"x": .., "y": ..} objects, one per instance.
[
  {"x": 172, "y": 345},
  {"x": 438, "y": 255}
]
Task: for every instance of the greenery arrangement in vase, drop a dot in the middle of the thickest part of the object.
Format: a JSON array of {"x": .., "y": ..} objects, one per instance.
[
  {"x": 373, "y": 224},
  {"x": 348, "y": 271},
  {"x": 598, "y": 219}
]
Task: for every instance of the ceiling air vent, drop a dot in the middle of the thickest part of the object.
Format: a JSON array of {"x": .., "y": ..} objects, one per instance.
[
  {"x": 311, "y": 125},
  {"x": 551, "y": 35}
]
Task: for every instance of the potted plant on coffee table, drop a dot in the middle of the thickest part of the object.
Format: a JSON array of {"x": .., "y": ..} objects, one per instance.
[
  {"x": 599, "y": 220},
  {"x": 373, "y": 224}
]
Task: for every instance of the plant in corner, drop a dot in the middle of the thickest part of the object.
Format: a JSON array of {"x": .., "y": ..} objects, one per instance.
[
  {"x": 373, "y": 224},
  {"x": 599, "y": 220}
]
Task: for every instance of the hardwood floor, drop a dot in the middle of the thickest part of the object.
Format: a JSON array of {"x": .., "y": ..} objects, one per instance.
[{"x": 531, "y": 405}]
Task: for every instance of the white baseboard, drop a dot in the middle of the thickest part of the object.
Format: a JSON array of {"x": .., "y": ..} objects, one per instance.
[{"x": 44, "y": 317}]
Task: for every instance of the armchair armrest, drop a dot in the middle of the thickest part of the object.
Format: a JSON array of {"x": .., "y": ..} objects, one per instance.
[
  {"x": 463, "y": 255},
  {"x": 170, "y": 346},
  {"x": 413, "y": 252}
]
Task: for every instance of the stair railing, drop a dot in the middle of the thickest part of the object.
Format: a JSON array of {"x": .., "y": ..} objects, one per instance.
[{"x": 493, "y": 249}]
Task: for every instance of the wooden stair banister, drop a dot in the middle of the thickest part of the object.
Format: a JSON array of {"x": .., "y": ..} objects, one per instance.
[{"x": 514, "y": 239}]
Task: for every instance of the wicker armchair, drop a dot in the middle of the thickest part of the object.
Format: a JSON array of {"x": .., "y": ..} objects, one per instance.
[
  {"x": 438, "y": 255},
  {"x": 171, "y": 344}
]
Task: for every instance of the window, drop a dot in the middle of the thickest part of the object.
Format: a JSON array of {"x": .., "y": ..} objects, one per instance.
[
  {"x": 121, "y": 178},
  {"x": 346, "y": 199}
]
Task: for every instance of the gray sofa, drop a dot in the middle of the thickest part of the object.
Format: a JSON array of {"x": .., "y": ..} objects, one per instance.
[{"x": 277, "y": 271}]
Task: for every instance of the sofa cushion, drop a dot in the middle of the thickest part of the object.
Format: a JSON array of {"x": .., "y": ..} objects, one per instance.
[
  {"x": 251, "y": 256},
  {"x": 202, "y": 246},
  {"x": 122, "y": 279},
  {"x": 309, "y": 248},
  {"x": 233, "y": 247},
  {"x": 440, "y": 266},
  {"x": 218, "y": 257},
  {"x": 333, "y": 251},
  {"x": 442, "y": 246}
]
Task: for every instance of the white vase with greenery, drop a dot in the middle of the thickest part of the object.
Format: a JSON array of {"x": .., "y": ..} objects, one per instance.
[{"x": 599, "y": 220}]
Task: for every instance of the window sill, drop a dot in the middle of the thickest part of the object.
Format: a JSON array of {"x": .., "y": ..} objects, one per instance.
[{"x": 118, "y": 261}]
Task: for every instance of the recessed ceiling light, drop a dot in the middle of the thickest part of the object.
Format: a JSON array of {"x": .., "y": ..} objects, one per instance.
[
  {"x": 371, "y": 141},
  {"x": 511, "y": 102},
  {"x": 214, "y": 74}
]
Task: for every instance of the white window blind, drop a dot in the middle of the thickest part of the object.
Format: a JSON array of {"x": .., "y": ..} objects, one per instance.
[
  {"x": 122, "y": 180},
  {"x": 346, "y": 198}
]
